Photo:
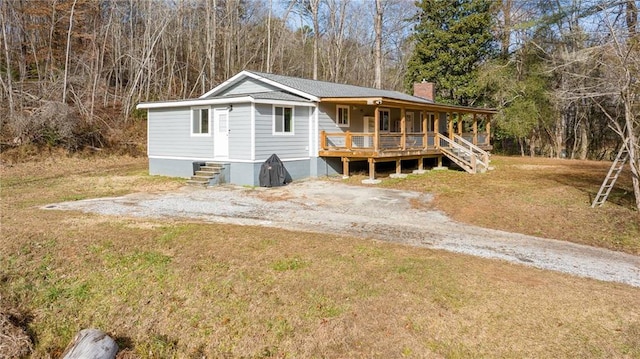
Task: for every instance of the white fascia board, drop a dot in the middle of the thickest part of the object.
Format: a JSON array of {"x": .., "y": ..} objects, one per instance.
[
  {"x": 262, "y": 160},
  {"x": 281, "y": 86},
  {"x": 188, "y": 103},
  {"x": 284, "y": 103},
  {"x": 225, "y": 160},
  {"x": 225, "y": 84},
  {"x": 180, "y": 158}
]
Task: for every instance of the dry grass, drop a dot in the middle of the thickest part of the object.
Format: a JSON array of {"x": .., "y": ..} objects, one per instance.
[
  {"x": 14, "y": 340},
  {"x": 181, "y": 289}
]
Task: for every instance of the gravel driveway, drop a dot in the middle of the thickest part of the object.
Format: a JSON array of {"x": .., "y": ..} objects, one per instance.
[{"x": 370, "y": 212}]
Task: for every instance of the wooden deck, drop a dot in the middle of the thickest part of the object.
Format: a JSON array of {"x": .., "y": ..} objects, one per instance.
[{"x": 389, "y": 147}]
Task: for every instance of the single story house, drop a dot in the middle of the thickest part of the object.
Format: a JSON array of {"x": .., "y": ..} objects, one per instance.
[{"x": 316, "y": 128}]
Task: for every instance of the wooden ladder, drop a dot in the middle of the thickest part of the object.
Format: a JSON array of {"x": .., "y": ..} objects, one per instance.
[{"x": 612, "y": 176}]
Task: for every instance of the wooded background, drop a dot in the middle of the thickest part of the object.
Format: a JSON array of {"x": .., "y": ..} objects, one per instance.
[{"x": 563, "y": 73}]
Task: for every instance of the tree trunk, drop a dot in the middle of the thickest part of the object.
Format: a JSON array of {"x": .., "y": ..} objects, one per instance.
[
  {"x": 269, "y": 39},
  {"x": 584, "y": 140},
  {"x": 315, "y": 5},
  {"x": 378, "y": 52},
  {"x": 7, "y": 57},
  {"x": 532, "y": 145},
  {"x": 66, "y": 57},
  {"x": 91, "y": 344},
  {"x": 505, "y": 36},
  {"x": 632, "y": 146}
]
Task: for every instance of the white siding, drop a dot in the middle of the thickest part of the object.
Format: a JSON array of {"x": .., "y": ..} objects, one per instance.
[
  {"x": 170, "y": 135},
  {"x": 285, "y": 146}
]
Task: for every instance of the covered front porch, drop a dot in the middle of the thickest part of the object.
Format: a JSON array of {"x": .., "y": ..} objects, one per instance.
[{"x": 390, "y": 130}]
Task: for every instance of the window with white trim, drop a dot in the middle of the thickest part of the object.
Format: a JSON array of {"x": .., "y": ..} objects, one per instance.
[
  {"x": 282, "y": 120},
  {"x": 200, "y": 122},
  {"x": 342, "y": 115}
]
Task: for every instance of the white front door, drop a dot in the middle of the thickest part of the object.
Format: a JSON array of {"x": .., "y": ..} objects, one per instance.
[{"x": 221, "y": 133}]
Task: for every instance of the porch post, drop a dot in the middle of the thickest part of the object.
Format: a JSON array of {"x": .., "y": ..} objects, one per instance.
[
  {"x": 403, "y": 129},
  {"x": 347, "y": 140},
  {"x": 436, "y": 129},
  {"x": 398, "y": 166},
  {"x": 421, "y": 164},
  {"x": 372, "y": 169},
  {"x": 425, "y": 130},
  {"x": 475, "y": 129},
  {"x": 376, "y": 131},
  {"x": 459, "y": 117},
  {"x": 450, "y": 124},
  {"x": 488, "y": 127},
  {"x": 323, "y": 139},
  {"x": 345, "y": 167}
]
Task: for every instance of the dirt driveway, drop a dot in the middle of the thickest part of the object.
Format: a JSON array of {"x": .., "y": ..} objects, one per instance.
[{"x": 370, "y": 212}]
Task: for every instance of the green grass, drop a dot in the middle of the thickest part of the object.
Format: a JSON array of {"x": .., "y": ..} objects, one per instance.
[{"x": 288, "y": 264}]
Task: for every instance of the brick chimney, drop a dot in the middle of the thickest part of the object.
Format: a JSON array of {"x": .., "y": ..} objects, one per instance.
[{"x": 424, "y": 90}]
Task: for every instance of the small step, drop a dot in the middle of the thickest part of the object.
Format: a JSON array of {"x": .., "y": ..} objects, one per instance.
[
  {"x": 200, "y": 178},
  {"x": 197, "y": 183},
  {"x": 207, "y": 173},
  {"x": 212, "y": 164}
]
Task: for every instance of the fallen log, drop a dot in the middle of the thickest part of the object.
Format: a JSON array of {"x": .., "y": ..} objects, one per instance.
[{"x": 91, "y": 344}]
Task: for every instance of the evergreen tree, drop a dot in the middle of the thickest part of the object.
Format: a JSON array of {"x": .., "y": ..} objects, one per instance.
[{"x": 452, "y": 37}]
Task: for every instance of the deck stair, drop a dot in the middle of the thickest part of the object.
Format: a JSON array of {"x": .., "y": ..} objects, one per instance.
[
  {"x": 206, "y": 175},
  {"x": 468, "y": 156},
  {"x": 612, "y": 177}
]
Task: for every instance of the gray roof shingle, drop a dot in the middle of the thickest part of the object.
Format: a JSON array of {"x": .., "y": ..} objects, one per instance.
[
  {"x": 276, "y": 95},
  {"x": 322, "y": 89}
]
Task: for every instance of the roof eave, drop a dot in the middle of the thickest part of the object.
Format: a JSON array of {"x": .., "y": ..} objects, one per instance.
[
  {"x": 284, "y": 102},
  {"x": 439, "y": 106},
  {"x": 385, "y": 100},
  {"x": 194, "y": 102}
]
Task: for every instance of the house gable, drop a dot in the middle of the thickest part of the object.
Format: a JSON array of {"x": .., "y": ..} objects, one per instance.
[
  {"x": 240, "y": 84},
  {"x": 246, "y": 86}
]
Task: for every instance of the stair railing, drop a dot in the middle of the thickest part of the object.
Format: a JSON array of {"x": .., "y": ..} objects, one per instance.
[
  {"x": 453, "y": 150},
  {"x": 482, "y": 154}
]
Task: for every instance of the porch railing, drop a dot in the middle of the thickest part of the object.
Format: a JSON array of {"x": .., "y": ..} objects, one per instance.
[
  {"x": 478, "y": 139},
  {"x": 482, "y": 154},
  {"x": 386, "y": 141},
  {"x": 397, "y": 141},
  {"x": 346, "y": 141}
]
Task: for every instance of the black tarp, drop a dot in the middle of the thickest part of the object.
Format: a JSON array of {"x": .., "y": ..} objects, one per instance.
[{"x": 273, "y": 173}]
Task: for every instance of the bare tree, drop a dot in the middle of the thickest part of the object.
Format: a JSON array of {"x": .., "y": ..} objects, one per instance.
[
  {"x": 378, "y": 49},
  {"x": 606, "y": 73},
  {"x": 8, "y": 87},
  {"x": 66, "y": 59},
  {"x": 314, "y": 6}
]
